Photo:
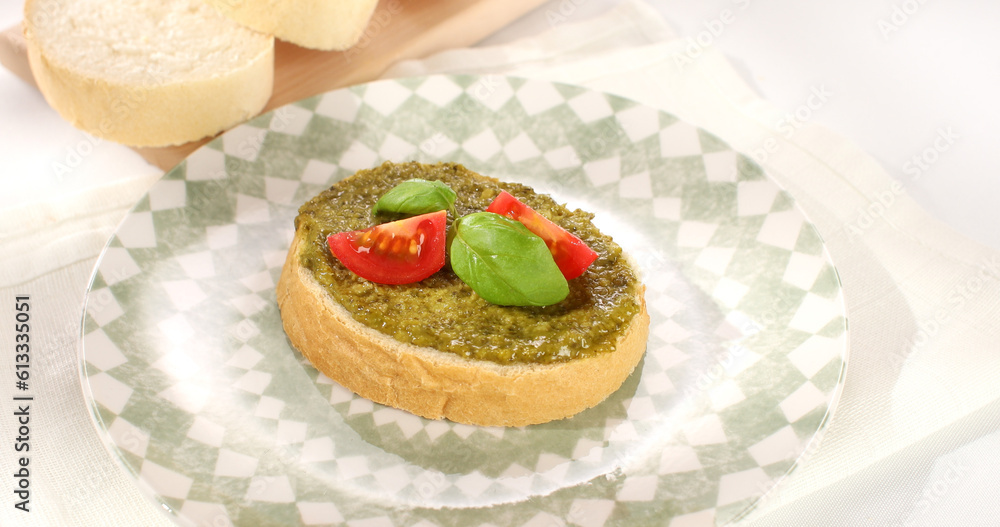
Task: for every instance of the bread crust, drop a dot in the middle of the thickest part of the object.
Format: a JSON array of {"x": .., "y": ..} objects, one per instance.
[
  {"x": 164, "y": 113},
  {"x": 435, "y": 384},
  {"x": 317, "y": 24}
]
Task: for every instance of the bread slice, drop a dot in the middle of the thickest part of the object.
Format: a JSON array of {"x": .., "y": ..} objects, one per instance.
[
  {"x": 435, "y": 384},
  {"x": 147, "y": 72},
  {"x": 317, "y": 24}
]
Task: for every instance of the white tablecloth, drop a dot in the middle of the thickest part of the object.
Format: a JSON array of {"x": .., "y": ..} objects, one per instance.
[{"x": 912, "y": 442}]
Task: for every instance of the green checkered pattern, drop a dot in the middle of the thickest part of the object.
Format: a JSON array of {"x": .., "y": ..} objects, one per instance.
[{"x": 193, "y": 382}]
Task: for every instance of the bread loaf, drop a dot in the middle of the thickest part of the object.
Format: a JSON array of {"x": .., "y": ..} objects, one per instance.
[
  {"x": 147, "y": 73},
  {"x": 317, "y": 24}
]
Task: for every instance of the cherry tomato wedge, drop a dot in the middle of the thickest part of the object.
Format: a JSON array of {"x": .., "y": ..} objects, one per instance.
[
  {"x": 570, "y": 253},
  {"x": 398, "y": 252}
]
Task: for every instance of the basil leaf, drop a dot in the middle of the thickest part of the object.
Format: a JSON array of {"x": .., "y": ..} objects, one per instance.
[
  {"x": 416, "y": 196},
  {"x": 504, "y": 262}
]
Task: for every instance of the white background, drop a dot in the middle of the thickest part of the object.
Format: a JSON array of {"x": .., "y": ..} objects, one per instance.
[{"x": 898, "y": 74}]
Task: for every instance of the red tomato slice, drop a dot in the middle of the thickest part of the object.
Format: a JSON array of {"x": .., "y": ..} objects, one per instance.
[
  {"x": 398, "y": 252},
  {"x": 570, "y": 253}
]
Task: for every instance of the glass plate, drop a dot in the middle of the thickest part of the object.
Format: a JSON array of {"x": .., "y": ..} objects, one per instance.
[{"x": 194, "y": 386}]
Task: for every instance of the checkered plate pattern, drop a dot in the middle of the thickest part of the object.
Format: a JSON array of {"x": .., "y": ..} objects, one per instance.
[{"x": 194, "y": 386}]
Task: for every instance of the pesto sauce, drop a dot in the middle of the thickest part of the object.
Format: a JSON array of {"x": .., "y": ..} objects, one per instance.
[{"x": 442, "y": 311}]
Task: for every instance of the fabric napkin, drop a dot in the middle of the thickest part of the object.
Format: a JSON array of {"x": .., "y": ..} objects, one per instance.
[
  {"x": 921, "y": 299},
  {"x": 48, "y": 251}
]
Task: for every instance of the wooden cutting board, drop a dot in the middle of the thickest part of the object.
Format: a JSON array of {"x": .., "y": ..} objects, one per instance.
[{"x": 398, "y": 30}]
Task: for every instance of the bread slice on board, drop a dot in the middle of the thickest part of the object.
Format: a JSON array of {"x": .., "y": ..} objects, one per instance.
[
  {"x": 317, "y": 24},
  {"x": 144, "y": 72},
  {"x": 435, "y": 384}
]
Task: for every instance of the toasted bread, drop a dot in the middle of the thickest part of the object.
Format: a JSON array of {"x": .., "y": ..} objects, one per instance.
[{"x": 437, "y": 384}]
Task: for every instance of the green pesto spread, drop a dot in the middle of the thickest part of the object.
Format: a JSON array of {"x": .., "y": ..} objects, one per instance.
[{"x": 442, "y": 311}]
